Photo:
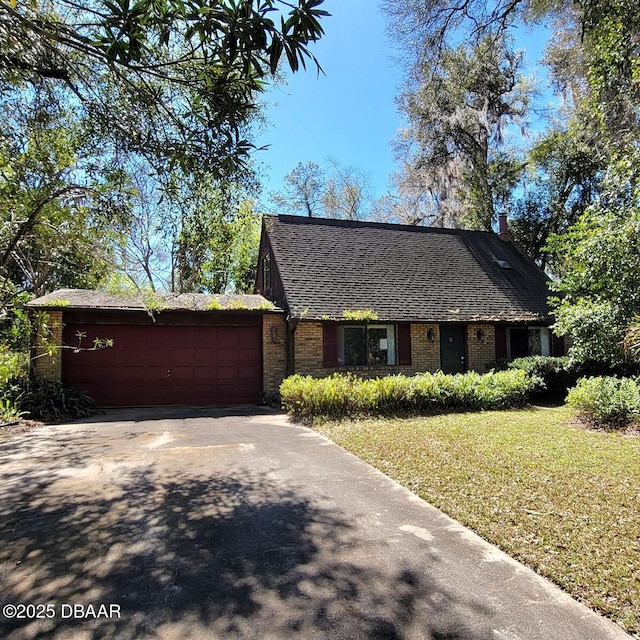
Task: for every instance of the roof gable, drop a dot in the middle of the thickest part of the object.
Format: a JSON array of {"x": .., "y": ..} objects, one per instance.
[{"x": 403, "y": 272}]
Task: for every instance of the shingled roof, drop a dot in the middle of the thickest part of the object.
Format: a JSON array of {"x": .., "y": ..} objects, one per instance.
[
  {"x": 404, "y": 273},
  {"x": 87, "y": 299}
]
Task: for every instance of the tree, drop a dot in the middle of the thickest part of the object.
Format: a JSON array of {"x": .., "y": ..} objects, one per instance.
[
  {"x": 339, "y": 192},
  {"x": 457, "y": 112},
  {"x": 599, "y": 282},
  {"x": 59, "y": 208},
  {"x": 215, "y": 238},
  {"x": 303, "y": 191},
  {"x": 563, "y": 175},
  {"x": 159, "y": 92},
  {"x": 171, "y": 80},
  {"x": 610, "y": 32}
]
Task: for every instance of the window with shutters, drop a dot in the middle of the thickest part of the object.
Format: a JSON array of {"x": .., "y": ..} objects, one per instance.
[{"x": 367, "y": 344}]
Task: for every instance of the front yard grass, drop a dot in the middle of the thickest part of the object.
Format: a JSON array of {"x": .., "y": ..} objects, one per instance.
[{"x": 559, "y": 498}]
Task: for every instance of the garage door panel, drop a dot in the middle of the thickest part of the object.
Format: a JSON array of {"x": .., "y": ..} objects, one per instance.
[
  {"x": 204, "y": 356},
  {"x": 167, "y": 364},
  {"x": 227, "y": 356},
  {"x": 157, "y": 373},
  {"x": 126, "y": 373},
  {"x": 224, "y": 375},
  {"x": 246, "y": 373},
  {"x": 204, "y": 373}
]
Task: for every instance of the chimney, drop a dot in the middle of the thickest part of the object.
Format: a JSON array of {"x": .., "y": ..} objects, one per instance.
[{"x": 503, "y": 228}]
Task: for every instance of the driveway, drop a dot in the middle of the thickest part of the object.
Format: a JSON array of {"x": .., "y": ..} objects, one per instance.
[{"x": 200, "y": 523}]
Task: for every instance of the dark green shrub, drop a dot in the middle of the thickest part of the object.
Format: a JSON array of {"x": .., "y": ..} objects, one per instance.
[
  {"x": 606, "y": 401},
  {"x": 37, "y": 399},
  {"x": 557, "y": 374},
  {"x": 345, "y": 394},
  {"x": 53, "y": 401}
]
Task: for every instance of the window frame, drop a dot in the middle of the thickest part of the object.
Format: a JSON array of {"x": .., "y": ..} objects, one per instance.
[{"x": 392, "y": 358}]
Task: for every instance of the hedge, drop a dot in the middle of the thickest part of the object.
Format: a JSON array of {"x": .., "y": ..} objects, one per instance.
[{"x": 346, "y": 394}]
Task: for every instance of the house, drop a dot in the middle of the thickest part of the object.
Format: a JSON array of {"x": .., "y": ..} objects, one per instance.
[
  {"x": 379, "y": 299},
  {"x": 331, "y": 295}
]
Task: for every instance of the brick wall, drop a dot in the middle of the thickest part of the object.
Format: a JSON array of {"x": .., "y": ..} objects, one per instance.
[
  {"x": 48, "y": 366},
  {"x": 273, "y": 352},
  {"x": 308, "y": 350},
  {"x": 481, "y": 352},
  {"x": 425, "y": 353}
]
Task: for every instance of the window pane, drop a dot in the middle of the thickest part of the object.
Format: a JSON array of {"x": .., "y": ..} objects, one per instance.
[
  {"x": 535, "y": 344},
  {"x": 519, "y": 338},
  {"x": 355, "y": 346},
  {"x": 377, "y": 345},
  {"x": 367, "y": 345}
]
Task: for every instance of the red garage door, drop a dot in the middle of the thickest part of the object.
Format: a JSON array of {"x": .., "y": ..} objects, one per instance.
[{"x": 166, "y": 364}]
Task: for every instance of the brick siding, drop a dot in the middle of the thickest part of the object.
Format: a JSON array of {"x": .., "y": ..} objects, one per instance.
[
  {"x": 49, "y": 367},
  {"x": 273, "y": 352},
  {"x": 425, "y": 354},
  {"x": 481, "y": 352}
]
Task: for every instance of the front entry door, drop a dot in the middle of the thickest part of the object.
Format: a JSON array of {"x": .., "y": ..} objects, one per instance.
[{"x": 452, "y": 348}]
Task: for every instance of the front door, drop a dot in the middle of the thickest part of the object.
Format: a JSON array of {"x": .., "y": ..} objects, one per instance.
[{"x": 452, "y": 348}]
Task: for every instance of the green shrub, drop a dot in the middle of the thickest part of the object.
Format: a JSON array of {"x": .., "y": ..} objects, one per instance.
[
  {"x": 557, "y": 374},
  {"x": 53, "y": 401},
  {"x": 14, "y": 365},
  {"x": 606, "y": 401},
  {"x": 345, "y": 394}
]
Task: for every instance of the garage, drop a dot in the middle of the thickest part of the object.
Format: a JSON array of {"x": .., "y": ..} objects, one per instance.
[
  {"x": 153, "y": 365},
  {"x": 177, "y": 349}
]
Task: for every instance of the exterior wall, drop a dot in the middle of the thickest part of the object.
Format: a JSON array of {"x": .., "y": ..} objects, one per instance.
[
  {"x": 49, "y": 367},
  {"x": 308, "y": 350},
  {"x": 481, "y": 353},
  {"x": 425, "y": 355},
  {"x": 273, "y": 352}
]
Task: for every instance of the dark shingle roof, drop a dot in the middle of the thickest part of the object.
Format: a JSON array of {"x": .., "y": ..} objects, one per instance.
[
  {"x": 90, "y": 299},
  {"x": 404, "y": 272}
]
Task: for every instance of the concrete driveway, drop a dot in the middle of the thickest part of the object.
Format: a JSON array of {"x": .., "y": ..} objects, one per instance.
[{"x": 199, "y": 523}]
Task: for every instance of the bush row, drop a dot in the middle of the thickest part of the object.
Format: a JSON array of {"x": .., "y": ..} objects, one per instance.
[
  {"x": 346, "y": 394},
  {"x": 605, "y": 401}
]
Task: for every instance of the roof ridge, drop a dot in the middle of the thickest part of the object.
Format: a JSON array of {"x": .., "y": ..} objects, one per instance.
[{"x": 391, "y": 226}]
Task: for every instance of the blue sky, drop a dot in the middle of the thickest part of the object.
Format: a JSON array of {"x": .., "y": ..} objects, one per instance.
[{"x": 349, "y": 113}]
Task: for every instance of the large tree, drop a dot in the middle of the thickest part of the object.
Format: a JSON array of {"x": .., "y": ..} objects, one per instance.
[
  {"x": 457, "y": 111},
  {"x": 172, "y": 80},
  {"x": 148, "y": 104},
  {"x": 60, "y": 207}
]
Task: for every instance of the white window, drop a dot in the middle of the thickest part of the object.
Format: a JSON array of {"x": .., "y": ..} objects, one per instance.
[{"x": 367, "y": 344}]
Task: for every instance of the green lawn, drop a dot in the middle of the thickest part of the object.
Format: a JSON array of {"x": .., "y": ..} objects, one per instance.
[{"x": 561, "y": 499}]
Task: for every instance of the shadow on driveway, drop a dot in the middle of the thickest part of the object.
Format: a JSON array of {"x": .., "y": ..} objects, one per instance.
[{"x": 189, "y": 550}]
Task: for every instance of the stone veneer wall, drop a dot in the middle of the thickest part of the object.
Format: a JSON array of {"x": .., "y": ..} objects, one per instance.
[
  {"x": 273, "y": 352},
  {"x": 49, "y": 367}
]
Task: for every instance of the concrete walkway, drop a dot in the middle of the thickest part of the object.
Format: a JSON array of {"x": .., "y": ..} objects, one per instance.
[{"x": 200, "y": 523}]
